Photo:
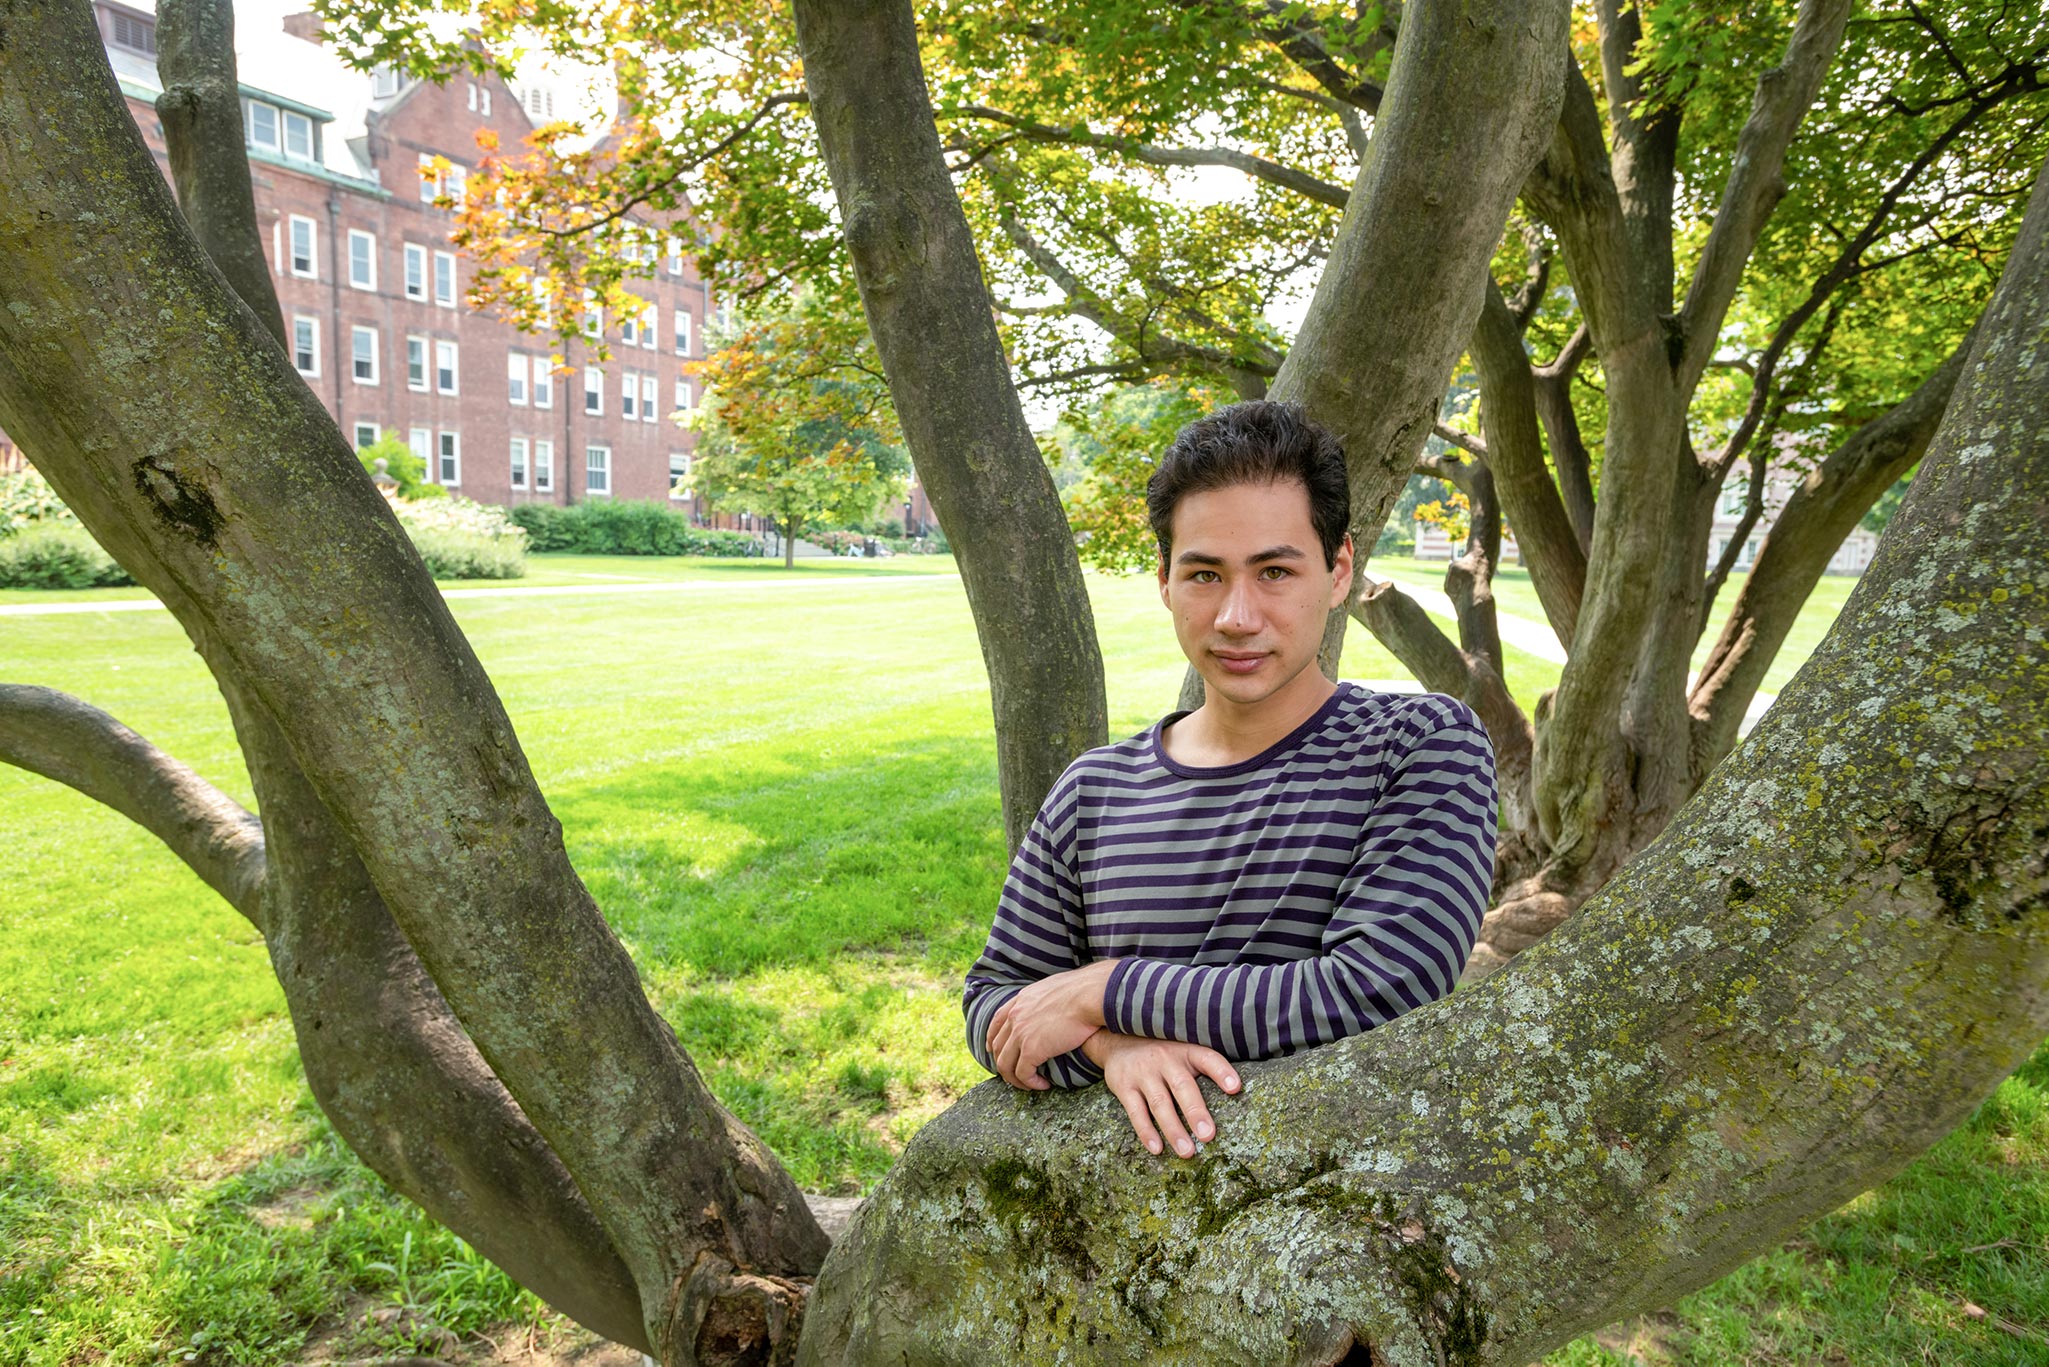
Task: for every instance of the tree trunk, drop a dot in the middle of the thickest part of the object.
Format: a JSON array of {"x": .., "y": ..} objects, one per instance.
[
  {"x": 1822, "y": 966},
  {"x": 929, "y": 312},
  {"x": 212, "y": 462},
  {"x": 790, "y": 525}
]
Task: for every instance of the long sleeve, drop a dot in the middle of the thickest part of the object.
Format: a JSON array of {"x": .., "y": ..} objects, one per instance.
[
  {"x": 1038, "y": 932},
  {"x": 1407, "y": 915}
]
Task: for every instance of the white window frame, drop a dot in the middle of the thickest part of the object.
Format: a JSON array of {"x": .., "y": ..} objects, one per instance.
[
  {"x": 684, "y": 398},
  {"x": 675, "y": 246},
  {"x": 683, "y": 330},
  {"x": 418, "y": 371},
  {"x": 544, "y": 466},
  {"x": 648, "y": 327},
  {"x": 361, "y": 427},
  {"x": 649, "y": 384},
  {"x": 629, "y": 327},
  {"x": 679, "y": 484},
  {"x": 313, "y": 345},
  {"x": 421, "y": 439},
  {"x": 593, "y": 315},
  {"x": 277, "y": 138},
  {"x": 486, "y": 95},
  {"x": 368, "y": 280},
  {"x": 515, "y": 378},
  {"x": 445, "y": 300},
  {"x": 629, "y": 394},
  {"x": 447, "y": 455},
  {"x": 453, "y": 370},
  {"x": 287, "y": 122},
  {"x": 356, "y": 335},
  {"x": 430, "y": 183},
  {"x": 473, "y": 95},
  {"x": 386, "y": 82},
  {"x": 594, "y": 391},
  {"x": 416, "y": 271},
  {"x": 312, "y": 271},
  {"x": 604, "y": 468},
  {"x": 519, "y": 462},
  {"x": 543, "y": 386}
]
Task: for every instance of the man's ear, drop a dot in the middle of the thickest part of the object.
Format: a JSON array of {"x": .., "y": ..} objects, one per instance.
[
  {"x": 1163, "y": 579},
  {"x": 1341, "y": 573}
]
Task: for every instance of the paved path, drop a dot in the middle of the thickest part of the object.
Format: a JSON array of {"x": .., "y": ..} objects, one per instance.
[{"x": 523, "y": 591}]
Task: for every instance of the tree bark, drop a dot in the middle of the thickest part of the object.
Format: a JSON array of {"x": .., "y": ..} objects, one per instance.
[
  {"x": 921, "y": 280},
  {"x": 1799, "y": 988},
  {"x": 216, "y": 459}
]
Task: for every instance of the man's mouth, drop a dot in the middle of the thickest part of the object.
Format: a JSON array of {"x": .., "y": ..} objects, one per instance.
[{"x": 1239, "y": 661}]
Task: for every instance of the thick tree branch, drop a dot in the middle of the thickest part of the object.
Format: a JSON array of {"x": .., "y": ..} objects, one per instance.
[
  {"x": 1732, "y": 551},
  {"x": 76, "y": 744},
  {"x": 1260, "y": 168},
  {"x": 1646, "y": 130},
  {"x": 1755, "y": 182},
  {"x": 1569, "y": 454}
]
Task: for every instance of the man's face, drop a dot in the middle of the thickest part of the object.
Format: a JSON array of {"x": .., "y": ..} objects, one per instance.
[{"x": 1248, "y": 587}]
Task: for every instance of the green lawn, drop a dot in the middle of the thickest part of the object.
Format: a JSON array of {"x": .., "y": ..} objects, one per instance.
[{"x": 782, "y": 794}]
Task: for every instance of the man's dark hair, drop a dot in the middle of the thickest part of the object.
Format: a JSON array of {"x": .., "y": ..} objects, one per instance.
[{"x": 1255, "y": 442}]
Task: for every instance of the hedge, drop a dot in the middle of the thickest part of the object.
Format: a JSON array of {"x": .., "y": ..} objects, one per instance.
[{"x": 624, "y": 527}]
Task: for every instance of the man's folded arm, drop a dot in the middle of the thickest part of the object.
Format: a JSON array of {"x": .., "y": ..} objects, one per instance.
[
  {"x": 1038, "y": 932},
  {"x": 1407, "y": 916}
]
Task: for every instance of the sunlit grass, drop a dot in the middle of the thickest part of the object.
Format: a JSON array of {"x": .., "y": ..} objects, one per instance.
[{"x": 784, "y": 800}]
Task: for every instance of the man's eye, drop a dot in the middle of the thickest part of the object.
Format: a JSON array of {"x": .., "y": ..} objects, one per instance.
[
  {"x": 1203, "y": 576},
  {"x": 1275, "y": 571}
]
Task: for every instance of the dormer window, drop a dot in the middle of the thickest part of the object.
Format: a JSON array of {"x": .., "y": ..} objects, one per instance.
[
  {"x": 133, "y": 32},
  {"x": 385, "y": 82},
  {"x": 273, "y": 129}
]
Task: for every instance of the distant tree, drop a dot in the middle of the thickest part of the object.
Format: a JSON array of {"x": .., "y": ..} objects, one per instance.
[
  {"x": 1113, "y": 442},
  {"x": 796, "y": 423},
  {"x": 402, "y": 463}
]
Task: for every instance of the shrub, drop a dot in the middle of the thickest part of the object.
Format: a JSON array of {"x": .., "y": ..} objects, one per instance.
[
  {"x": 27, "y": 500},
  {"x": 56, "y": 556},
  {"x": 624, "y": 527},
  {"x": 462, "y": 539},
  {"x": 403, "y": 464}
]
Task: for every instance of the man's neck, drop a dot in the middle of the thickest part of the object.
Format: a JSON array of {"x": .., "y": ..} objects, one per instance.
[{"x": 1224, "y": 732}]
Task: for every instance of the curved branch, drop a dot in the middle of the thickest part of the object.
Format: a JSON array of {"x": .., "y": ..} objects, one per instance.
[
  {"x": 62, "y": 738},
  {"x": 1272, "y": 172}
]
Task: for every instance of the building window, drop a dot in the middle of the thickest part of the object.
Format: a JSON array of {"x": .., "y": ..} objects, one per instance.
[
  {"x": 593, "y": 315},
  {"x": 544, "y": 382},
  {"x": 422, "y": 442},
  {"x": 444, "y": 367},
  {"x": 430, "y": 178},
  {"x": 444, "y": 279},
  {"x": 1734, "y": 494},
  {"x": 647, "y": 327},
  {"x": 675, "y": 256},
  {"x": 629, "y": 327},
  {"x": 450, "y": 471},
  {"x": 366, "y": 435},
  {"x": 306, "y": 345},
  {"x": 597, "y": 469},
  {"x": 386, "y": 82},
  {"x": 298, "y": 136},
  {"x": 683, "y": 395},
  {"x": 133, "y": 33},
  {"x": 519, "y": 462},
  {"x": 540, "y": 103},
  {"x": 305, "y": 237},
  {"x": 473, "y": 95},
  {"x": 682, "y": 332},
  {"x": 487, "y": 101},
  {"x": 647, "y": 398},
  {"x": 416, "y": 363},
  {"x": 544, "y": 466},
  {"x": 515, "y": 378},
  {"x": 362, "y": 260},
  {"x": 363, "y": 354},
  {"x": 593, "y": 389},
  {"x": 259, "y": 124},
  {"x": 629, "y": 396},
  {"x": 679, "y": 475},
  {"x": 416, "y": 272}
]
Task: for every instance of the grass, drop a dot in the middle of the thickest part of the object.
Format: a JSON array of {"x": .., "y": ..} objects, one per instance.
[{"x": 784, "y": 799}]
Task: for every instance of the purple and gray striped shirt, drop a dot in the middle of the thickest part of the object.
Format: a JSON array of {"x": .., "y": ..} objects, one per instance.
[{"x": 1316, "y": 890}]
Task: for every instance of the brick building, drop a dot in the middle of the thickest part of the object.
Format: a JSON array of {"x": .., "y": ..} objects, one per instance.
[{"x": 372, "y": 292}]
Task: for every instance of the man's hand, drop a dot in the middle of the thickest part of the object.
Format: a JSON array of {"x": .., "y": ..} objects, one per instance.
[
  {"x": 1152, "y": 1077},
  {"x": 1046, "y": 1020}
]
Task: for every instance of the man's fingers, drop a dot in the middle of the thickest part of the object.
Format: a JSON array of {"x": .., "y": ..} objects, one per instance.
[
  {"x": 1215, "y": 1067},
  {"x": 1189, "y": 1097},
  {"x": 1141, "y": 1123},
  {"x": 1162, "y": 1104}
]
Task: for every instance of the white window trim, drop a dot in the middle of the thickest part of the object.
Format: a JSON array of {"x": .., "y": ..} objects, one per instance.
[
  {"x": 454, "y": 385},
  {"x": 683, "y": 332},
  {"x": 454, "y": 281},
  {"x": 629, "y": 394},
  {"x": 277, "y": 127},
  {"x": 355, "y": 332},
  {"x": 284, "y": 129},
  {"x": 516, "y": 371},
  {"x": 541, "y": 387},
  {"x": 679, "y": 483},
  {"x": 371, "y": 258},
  {"x": 415, "y": 252},
  {"x": 312, "y": 247},
  {"x": 649, "y": 326},
  {"x": 650, "y": 385},
  {"x": 544, "y": 470},
  {"x": 421, "y": 439},
  {"x": 358, "y": 434},
  {"x": 521, "y": 461},
  {"x": 684, "y": 397},
  {"x": 425, "y": 384},
  {"x": 314, "y": 324},
  {"x": 453, "y": 440},
  {"x": 594, "y": 394},
  {"x": 589, "y": 492}
]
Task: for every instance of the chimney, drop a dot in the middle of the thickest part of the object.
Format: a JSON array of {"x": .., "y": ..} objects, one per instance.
[{"x": 305, "y": 24}]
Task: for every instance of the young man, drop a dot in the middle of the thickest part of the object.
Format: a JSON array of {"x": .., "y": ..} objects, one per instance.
[{"x": 1293, "y": 862}]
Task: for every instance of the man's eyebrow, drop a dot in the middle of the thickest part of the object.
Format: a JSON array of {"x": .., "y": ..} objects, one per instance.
[{"x": 1258, "y": 558}]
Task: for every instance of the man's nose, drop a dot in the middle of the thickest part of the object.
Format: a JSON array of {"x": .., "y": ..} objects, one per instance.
[{"x": 1238, "y": 614}]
